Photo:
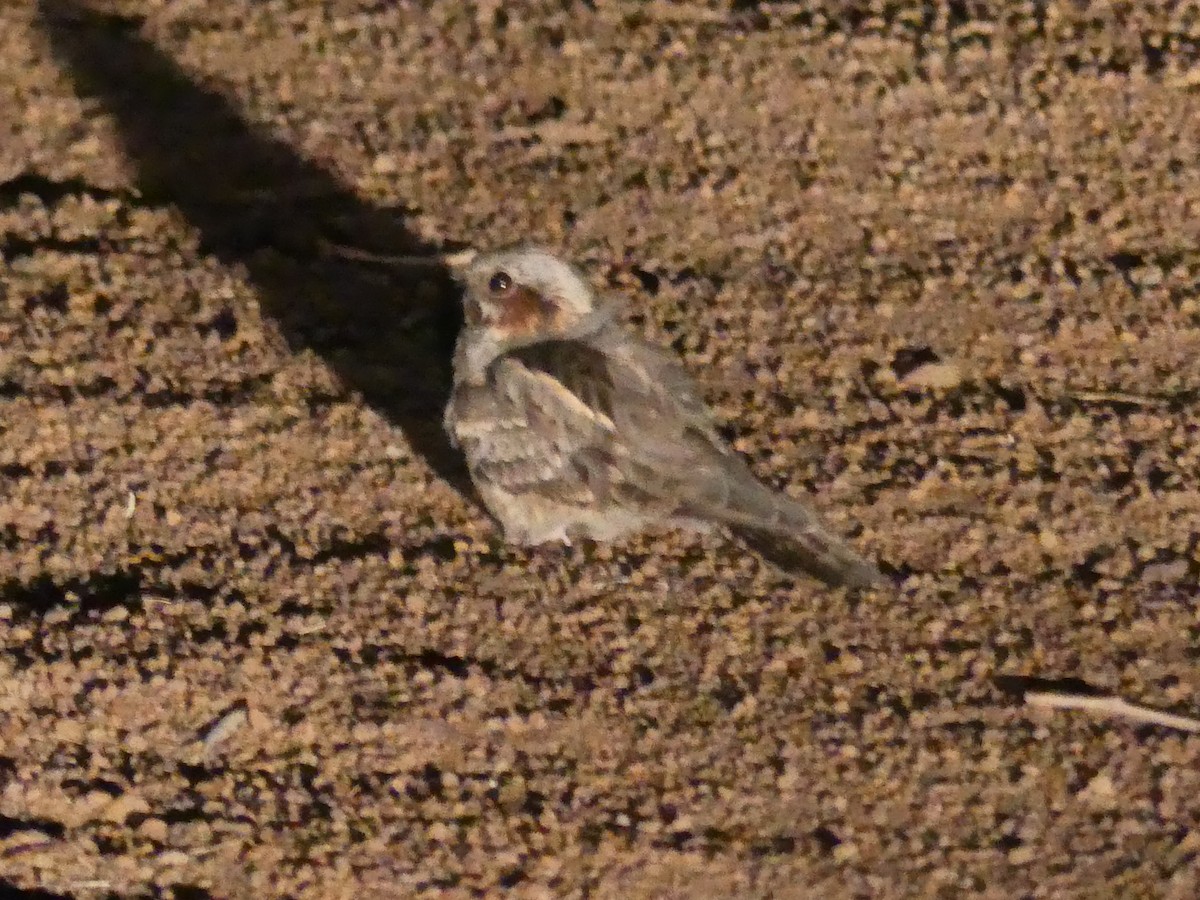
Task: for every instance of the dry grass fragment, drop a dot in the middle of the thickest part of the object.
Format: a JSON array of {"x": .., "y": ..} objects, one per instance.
[{"x": 1113, "y": 707}]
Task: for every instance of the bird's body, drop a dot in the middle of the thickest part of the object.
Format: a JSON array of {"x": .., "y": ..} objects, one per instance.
[{"x": 574, "y": 427}]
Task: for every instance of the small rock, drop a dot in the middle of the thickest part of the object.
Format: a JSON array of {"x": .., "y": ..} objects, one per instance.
[
  {"x": 124, "y": 806},
  {"x": 936, "y": 375},
  {"x": 1100, "y": 791},
  {"x": 1049, "y": 540},
  {"x": 845, "y": 852},
  {"x": 154, "y": 829},
  {"x": 1166, "y": 572},
  {"x": 1021, "y": 856},
  {"x": 385, "y": 164},
  {"x": 86, "y": 808}
]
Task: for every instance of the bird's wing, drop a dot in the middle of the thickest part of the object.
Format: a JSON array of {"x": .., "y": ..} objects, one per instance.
[
  {"x": 540, "y": 429},
  {"x": 630, "y": 425},
  {"x": 624, "y": 426}
]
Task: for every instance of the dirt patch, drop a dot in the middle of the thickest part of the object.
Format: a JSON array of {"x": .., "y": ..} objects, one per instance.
[{"x": 939, "y": 267}]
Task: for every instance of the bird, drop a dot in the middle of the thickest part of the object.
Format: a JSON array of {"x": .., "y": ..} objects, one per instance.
[{"x": 573, "y": 427}]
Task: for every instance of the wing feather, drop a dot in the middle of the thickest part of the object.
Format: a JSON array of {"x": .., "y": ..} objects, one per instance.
[
  {"x": 616, "y": 424},
  {"x": 635, "y": 429}
]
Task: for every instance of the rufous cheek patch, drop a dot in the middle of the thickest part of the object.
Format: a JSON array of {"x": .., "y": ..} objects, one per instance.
[{"x": 526, "y": 311}]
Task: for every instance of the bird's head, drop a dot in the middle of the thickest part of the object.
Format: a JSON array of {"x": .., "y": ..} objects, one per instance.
[{"x": 524, "y": 295}]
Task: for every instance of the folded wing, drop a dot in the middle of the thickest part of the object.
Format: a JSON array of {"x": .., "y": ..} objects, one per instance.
[{"x": 618, "y": 422}]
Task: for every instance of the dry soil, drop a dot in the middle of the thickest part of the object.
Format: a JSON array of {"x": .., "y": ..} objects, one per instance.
[{"x": 935, "y": 263}]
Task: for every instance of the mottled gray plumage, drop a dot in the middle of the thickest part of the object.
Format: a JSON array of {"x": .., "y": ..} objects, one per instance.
[{"x": 572, "y": 426}]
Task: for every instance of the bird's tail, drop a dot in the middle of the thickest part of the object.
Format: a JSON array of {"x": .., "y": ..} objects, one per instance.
[
  {"x": 813, "y": 552},
  {"x": 789, "y": 535}
]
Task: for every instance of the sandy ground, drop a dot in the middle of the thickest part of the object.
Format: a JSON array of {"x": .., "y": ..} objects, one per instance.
[{"x": 939, "y": 267}]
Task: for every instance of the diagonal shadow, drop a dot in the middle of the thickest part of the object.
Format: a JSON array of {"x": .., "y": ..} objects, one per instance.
[{"x": 258, "y": 203}]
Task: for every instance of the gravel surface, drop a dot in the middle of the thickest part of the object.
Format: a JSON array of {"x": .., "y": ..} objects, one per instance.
[{"x": 937, "y": 264}]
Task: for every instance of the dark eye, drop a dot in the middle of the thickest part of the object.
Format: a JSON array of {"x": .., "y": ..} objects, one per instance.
[{"x": 500, "y": 283}]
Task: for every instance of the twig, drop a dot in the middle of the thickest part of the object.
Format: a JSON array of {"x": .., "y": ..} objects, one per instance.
[
  {"x": 225, "y": 726},
  {"x": 1111, "y": 706},
  {"x": 682, "y": 14},
  {"x": 556, "y": 134},
  {"x": 29, "y": 840},
  {"x": 434, "y": 260},
  {"x": 1116, "y": 397}
]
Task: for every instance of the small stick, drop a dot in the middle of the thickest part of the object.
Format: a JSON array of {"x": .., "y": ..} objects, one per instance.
[
  {"x": 224, "y": 727},
  {"x": 1116, "y": 397},
  {"x": 448, "y": 260},
  {"x": 1111, "y": 706},
  {"x": 553, "y": 133}
]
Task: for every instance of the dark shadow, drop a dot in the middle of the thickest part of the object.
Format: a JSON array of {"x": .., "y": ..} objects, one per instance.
[
  {"x": 189, "y": 892},
  {"x": 1017, "y": 686},
  {"x": 256, "y": 202},
  {"x": 11, "y": 890},
  {"x": 95, "y": 593},
  {"x": 52, "y": 829}
]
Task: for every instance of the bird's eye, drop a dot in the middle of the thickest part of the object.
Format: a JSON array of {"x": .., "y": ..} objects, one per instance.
[{"x": 500, "y": 283}]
